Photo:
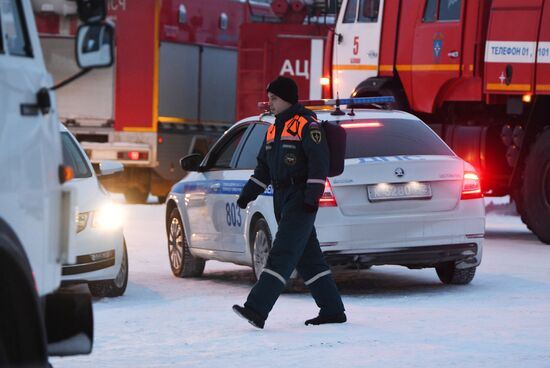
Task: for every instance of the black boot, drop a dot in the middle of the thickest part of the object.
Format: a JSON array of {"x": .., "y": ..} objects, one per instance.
[
  {"x": 252, "y": 317},
  {"x": 332, "y": 318}
]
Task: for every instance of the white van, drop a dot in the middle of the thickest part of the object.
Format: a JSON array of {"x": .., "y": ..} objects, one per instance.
[{"x": 37, "y": 212}]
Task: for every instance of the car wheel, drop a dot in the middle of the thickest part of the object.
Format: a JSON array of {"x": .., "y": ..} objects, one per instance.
[
  {"x": 449, "y": 274},
  {"x": 182, "y": 262},
  {"x": 260, "y": 245},
  {"x": 135, "y": 196},
  {"x": 115, "y": 287}
]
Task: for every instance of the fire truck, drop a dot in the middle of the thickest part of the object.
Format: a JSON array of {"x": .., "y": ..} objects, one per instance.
[
  {"x": 477, "y": 71},
  {"x": 173, "y": 88}
]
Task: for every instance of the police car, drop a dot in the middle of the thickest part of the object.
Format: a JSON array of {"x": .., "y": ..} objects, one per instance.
[
  {"x": 101, "y": 256},
  {"x": 404, "y": 198}
]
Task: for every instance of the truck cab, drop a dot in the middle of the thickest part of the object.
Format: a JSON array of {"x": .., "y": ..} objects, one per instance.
[{"x": 37, "y": 210}]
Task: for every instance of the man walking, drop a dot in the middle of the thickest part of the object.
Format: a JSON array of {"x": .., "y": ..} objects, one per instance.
[{"x": 294, "y": 159}]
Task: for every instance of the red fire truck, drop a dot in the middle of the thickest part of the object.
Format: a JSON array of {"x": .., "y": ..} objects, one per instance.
[
  {"x": 173, "y": 88},
  {"x": 477, "y": 71}
]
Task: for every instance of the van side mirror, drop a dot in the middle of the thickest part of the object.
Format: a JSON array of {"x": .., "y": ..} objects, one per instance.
[
  {"x": 91, "y": 11},
  {"x": 94, "y": 46},
  {"x": 191, "y": 162}
]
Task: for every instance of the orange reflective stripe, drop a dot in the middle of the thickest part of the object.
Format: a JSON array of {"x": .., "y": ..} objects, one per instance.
[
  {"x": 293, "y": 129},
  {"x": 270, "y": 135}
]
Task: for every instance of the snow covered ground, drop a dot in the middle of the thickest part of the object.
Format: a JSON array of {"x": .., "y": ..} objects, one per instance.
[{"x": 397, "y": 317}]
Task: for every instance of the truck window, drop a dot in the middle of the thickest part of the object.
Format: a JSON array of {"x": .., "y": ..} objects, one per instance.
[
  {"x": 254, "y": 141},
  {"x": 73, "y": 157},
  {"x": 449, "y": 10},
  {"x": 429, "y": 11},
  {"x": 17, "y": 37},
  {"x": 368, "y": 11},
  {"x": 351, "y": 12},
  {"x": 393, "y": 137}
]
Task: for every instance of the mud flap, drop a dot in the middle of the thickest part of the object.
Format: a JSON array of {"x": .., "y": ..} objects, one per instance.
[{"x": 69, "y": 321}]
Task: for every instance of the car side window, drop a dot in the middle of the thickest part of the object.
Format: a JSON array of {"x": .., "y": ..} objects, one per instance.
[
  {"x": 224, "y": 155},
  {"x": 351, "y": 12},
  {"x": 368, "y": 11},
  {"x": 252, "y": 145},
  {"x": 15, "y": 29},
  {"x": 72, "y": 156}
]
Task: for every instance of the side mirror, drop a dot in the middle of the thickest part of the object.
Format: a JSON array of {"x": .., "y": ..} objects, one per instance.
[
  {"x": 191, "y": 162},
  {"x": 94, "y": 46},
  {"x": 91, "y": 11},
  {"x": 108, "y": 167}
]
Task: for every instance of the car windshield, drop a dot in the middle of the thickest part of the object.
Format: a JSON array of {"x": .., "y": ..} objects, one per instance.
[
  {"x": 392, "y": 137},
  {"x": 73, "y": 157}
]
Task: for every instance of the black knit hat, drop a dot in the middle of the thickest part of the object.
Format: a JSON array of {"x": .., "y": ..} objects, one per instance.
[{"x": 284, "y": 88}]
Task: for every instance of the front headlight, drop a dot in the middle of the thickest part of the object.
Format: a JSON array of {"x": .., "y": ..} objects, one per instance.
[{"x": 108, "y": 217}]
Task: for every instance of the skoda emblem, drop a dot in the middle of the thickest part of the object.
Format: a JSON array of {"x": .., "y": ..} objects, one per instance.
[{"x": 399, "y": 172}]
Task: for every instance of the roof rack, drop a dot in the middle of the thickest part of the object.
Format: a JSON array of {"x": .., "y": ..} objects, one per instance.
[{"x": 379, "y": 100}]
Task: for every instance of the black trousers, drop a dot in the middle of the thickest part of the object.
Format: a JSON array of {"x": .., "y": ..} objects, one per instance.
[{"x": 295, "y": 247}]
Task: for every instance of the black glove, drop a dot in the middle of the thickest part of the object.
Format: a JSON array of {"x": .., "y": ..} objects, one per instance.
[
  {"x": 243, "y": 201},
  {"x": 310, "y": 207}
]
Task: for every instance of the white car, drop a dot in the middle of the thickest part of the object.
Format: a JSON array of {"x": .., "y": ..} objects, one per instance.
[
  {"x": 404, "y": 198},
  {"x": 102, "y": 259}
]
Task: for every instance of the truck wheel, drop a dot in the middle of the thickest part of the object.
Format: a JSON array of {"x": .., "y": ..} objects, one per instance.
[
  {"x": 516, "y": 197},
  {"x": 182, "y": 262},
  {"x": 535, "y": 191},
  {"x": 135, "y": 196},
  {"x": 115, "y": 287},
  {"x": 398, "y": 94},
  {"x": 22, "y": 331},
  {"x": 260, "y": 245},
  {"x": 449, "y": 274}
]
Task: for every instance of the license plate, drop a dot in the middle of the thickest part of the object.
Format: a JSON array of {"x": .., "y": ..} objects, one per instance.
[{"x": 388, "y": 192}]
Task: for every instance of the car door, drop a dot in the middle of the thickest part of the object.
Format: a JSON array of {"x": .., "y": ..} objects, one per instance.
[
  {"x": 205, "y": 196},
  {"x": 245, "y": 162}
]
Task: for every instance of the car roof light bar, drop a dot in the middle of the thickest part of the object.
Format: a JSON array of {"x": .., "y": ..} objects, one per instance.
[{"x": 340, "y": 101}]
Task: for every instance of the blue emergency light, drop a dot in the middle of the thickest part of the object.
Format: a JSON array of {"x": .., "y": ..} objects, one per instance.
[{"x": 341, "y": 101}]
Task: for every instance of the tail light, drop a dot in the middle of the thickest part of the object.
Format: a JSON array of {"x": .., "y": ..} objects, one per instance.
[
  {"x": 327, "y": 199},
  {"x": 133, "y": 155},
  {"x": 471, "y": 186}
]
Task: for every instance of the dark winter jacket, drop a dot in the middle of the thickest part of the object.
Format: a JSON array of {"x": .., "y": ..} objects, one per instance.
[{"x": 294, "y": 152}]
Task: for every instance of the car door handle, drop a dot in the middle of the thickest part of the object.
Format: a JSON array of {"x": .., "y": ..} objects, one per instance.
[
  {"x": 453, "y": 54},
  {"x": 215, "y": 186}
]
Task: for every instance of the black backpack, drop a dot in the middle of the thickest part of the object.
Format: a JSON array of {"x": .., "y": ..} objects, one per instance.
[{"x": 336, "y": 140}]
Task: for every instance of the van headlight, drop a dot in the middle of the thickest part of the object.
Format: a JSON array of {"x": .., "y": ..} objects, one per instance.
[{"x": 108, "y": 217}]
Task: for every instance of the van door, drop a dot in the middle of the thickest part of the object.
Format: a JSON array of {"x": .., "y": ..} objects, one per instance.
[{"x": 30, "y": 147}]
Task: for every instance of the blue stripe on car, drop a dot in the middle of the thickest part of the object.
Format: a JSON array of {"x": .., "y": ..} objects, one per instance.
[{"x": 207, "y": 186}]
